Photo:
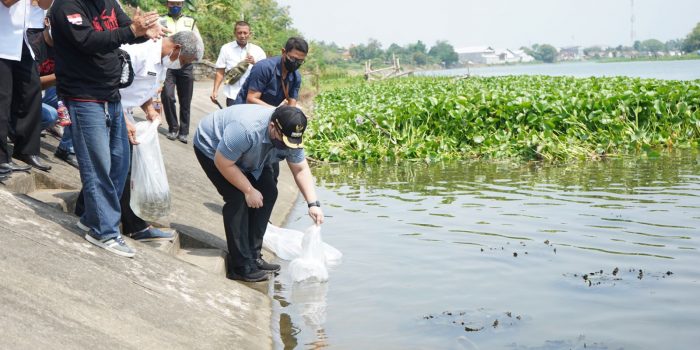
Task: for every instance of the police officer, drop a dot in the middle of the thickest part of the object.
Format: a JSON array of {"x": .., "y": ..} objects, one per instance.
[{"x": 180, "y": 77}]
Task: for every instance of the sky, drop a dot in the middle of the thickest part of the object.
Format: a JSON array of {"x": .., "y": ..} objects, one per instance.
[{"x": 497, "y": 23}]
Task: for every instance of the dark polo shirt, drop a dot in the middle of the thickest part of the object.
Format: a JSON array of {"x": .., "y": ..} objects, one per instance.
[{"x": 266, "y": 77}]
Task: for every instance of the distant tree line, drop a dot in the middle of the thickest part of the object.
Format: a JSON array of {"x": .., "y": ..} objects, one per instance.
[{"x": 417, "y": 54}]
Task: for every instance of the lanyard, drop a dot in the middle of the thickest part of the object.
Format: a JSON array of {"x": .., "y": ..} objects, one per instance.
[{"x": 285, "y": 87}]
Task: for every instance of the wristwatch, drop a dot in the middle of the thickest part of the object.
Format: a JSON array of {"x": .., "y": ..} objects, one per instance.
[{"x": 315, "y": 204}]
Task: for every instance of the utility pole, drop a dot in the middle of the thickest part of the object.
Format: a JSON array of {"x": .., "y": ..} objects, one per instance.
[{"x": 632, "y": 34}]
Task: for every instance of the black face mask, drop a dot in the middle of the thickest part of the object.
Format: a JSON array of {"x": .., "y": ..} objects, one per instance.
[
  {"x": 279, "y": 144},
  {"x": 291, "y": 64}
]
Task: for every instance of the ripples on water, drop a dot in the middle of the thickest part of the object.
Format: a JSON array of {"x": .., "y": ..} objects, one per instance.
[{"x": 505, "y": 255}]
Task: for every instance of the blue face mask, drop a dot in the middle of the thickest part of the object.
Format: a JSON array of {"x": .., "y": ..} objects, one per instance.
[{"x": 175, "y": 10}]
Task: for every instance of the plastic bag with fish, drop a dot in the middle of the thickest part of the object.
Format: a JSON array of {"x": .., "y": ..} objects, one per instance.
[
  {"x": 311, "y": 265},
  {"x": 287, "y": 244}
]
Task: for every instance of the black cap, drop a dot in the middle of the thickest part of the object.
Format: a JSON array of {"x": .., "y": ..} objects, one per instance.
[{"x": 292, "y": 122}]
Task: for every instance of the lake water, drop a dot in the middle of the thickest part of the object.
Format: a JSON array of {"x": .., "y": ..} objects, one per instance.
[
  {"x": 491, "y": 255},
  {"x": 674, "y": 70}
]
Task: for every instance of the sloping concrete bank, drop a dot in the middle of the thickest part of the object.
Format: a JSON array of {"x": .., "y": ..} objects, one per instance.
[{"x": 58, "y": 291}]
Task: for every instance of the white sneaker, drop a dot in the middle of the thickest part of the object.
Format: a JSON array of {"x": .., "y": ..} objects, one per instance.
[
  {"x": 82, "y": 226},
  {"x": 114, "y": 245}
]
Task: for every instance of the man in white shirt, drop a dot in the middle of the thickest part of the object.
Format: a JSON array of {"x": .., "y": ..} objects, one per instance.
[
  {"x": 230, "y": 56},
  {"x": 150, "y": 61},
  {"x": 19, "y": 82}
]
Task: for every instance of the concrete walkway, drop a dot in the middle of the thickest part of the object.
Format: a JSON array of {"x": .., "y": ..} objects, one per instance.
[{"x": 58, "y": 291}]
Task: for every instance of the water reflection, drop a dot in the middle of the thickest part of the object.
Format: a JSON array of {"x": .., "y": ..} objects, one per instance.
[
  {"x": 302, "y": 306},
  {"x": 419, "y": 239}
]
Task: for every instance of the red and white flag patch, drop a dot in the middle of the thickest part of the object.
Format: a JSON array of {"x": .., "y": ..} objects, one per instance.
[{"x": 75, "y": 19}]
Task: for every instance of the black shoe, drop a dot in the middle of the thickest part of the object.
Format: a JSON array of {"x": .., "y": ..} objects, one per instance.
[
  {"x": 5, "y": 171},
  {"x": 182, "y": 138},
  {"x": 34, "y": 161},
  {"x": 248, "y": 275},
  {"x": 4, "y": 177},
  {"x": 171, "y": 135},
  {"x": 66, "y": 157},
  {"x": 266, "y": 266},
  {"x": 12, "y": 166}
]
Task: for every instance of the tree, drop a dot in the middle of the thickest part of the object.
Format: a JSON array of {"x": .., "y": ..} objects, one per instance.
[
  {"x": 674, "y": 45},
  {"x": 652, "y": 45},
  {"x": 362, "y": 52},
  {"x": 417, "y": 47},
  {"x": 420, "y": 58},
  {"x": 545, "y": 53},
  {"x": 444, "y": 53},
  {"x": 637, "y": 45},
  {"x": 692, "y": 41},
  {"x": 394, "y": 49}
]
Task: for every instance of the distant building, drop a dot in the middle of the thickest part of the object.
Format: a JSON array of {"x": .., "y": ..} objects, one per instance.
[
  {"x": 522, "y": 56},
  {"x": 571, "y": 53},
  {"x": 476, "y": 54},
  {"x": 488, "y": 55}
]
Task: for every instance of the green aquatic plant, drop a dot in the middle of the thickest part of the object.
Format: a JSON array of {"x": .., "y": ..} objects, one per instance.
[{"x": 525, "y": 117}]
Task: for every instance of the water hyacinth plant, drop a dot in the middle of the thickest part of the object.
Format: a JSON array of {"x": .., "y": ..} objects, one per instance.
[{"x": 525, "y": 117}]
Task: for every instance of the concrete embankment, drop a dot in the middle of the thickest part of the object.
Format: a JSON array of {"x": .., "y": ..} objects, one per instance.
[{"x": 59, "y": 291}]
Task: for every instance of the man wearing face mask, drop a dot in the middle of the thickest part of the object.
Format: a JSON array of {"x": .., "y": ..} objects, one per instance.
[
  {"x": 276, "y": 79},
  {"x": 236, "y": 147},
  {"x": 180, "y": 77},
  {"x": 149, "y": 60}
]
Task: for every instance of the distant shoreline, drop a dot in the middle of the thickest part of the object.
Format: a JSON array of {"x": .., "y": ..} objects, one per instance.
[{"x": 689, "y": 57}]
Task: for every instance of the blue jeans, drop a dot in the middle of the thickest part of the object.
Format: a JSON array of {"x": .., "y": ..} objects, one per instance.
[
  {"x": 51, "y": 99},
  {"x": 102, "y": 149},
  {"x": 48, "y": 116}
]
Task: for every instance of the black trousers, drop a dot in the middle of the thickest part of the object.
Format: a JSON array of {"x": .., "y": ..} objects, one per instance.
[
  {"x": 130, "y": 222},
  {"x": 183, "y": 79},
  {"x": 244, "y": 226},
  {"x": 20, "y": 97}
]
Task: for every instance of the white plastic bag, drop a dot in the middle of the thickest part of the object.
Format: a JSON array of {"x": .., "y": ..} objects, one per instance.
[
  {"x": 312, "y": 263},
  {"x": 286, "y": 244},
  {"x": 150, "y": 193}
]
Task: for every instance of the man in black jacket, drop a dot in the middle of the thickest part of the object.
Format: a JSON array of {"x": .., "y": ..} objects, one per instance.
[{"x": 87, "y": 35}]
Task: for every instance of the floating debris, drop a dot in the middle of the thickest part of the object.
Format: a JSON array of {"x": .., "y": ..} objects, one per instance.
[
  {"x": 515, "y": 254},
  {"x": 600, "y": 277},
  {"x": 474, "y": 320}
]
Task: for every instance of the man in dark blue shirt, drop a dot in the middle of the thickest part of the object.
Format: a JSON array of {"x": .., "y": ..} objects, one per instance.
[{"x": 276, "y": 79}]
